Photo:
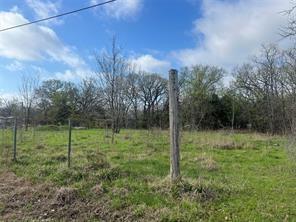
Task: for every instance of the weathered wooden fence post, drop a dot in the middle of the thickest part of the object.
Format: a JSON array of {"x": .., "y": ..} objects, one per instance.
[
  {"x": 3, "y": 136},
  {"x": 69, "y": 143},
  {"x": 14, "y": 139},
  {"x": 174, "y": 124},
  {"x": 21, "y": 121}
]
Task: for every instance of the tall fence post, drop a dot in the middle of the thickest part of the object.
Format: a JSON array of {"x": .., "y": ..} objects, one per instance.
[
  {"x": 69, "y": 143},
  {"x": 3, "y": 136},
  {"x": 14, "y": 139},
  {"x": 174, "y": 125}
]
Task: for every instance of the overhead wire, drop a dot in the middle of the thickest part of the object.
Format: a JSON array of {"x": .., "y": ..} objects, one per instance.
[{"x": 59, "y": 15}]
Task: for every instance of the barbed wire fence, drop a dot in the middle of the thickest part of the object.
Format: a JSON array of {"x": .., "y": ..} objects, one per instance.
[
  {"x": 9, "y": 138},
  {"x": 291, "y": 144},
  {"x": 16, "y": 138}
]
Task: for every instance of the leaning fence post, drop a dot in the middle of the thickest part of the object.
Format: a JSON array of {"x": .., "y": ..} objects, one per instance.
[
  {"x": 69, "y": 143},
  {"x": 15, "y": 140},
  {"x": 174, "y": 125}
]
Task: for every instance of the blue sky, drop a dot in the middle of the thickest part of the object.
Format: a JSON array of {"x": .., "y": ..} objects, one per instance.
[{"x": 155, "y": 35}]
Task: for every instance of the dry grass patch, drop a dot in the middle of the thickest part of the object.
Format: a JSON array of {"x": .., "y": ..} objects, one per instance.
[
  {"x": 65, "y": 196},
  {"x": 97, "y": 160},
  {"x": 207, "y": 162},
  {"x": 98, "y": 190},
  {"x": 195, "y": 190},
  {"x": 20, "y": 200},
  {"x": 226, "y": 145},
  {"x": 127, "y": 137}
]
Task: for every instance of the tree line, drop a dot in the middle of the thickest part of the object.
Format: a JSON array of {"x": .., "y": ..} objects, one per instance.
[{"x": 261, "y": 94}]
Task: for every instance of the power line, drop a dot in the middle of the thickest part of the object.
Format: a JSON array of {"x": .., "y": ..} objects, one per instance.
[{"x": 59, "y": 15}]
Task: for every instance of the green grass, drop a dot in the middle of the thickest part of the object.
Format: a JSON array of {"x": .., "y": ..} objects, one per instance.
[{"x": 226, "y": 177}]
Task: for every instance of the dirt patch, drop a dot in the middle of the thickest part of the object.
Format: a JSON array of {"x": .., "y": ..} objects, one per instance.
[
  {"x": 21, "y": 200},
  {"x": 17, "y": 194}
]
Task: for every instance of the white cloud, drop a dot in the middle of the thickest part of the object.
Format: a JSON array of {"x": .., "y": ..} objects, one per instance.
[
  {"x": 121, "y": 9},
  {"x": 44, "y": 9},
  {"x": 150, "y": 64},
  {"x": 230, "y": 31},
  {"x": 72, "y": 75},
  {"x": 15, "y": 66},
  {"x": 34, "y": 42},
  {"x": 65, "y": 75},
  {"x": 6, "y": 96}
]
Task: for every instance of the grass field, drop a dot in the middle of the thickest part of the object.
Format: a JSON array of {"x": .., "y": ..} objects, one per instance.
[{"x": 225, "y": 177}]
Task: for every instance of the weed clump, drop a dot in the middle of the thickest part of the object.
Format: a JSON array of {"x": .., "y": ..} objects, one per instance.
[
  {"x": 127, "y": 137},
  {"x": 207, "y": 163},
  {"x": 23, "y": 160},
  {"x": 44, "y": 171},
  {"x": 67, "y": 176},
  {"x": 180, "y": 187},
  {"x": 112, "y": 174},
  {"x": 226, "y": 146},
  {"x": 59, "y": 158},
  {"x": 40, "y": 147},
  {"x": 98, "y": 190},
  {"x": 183, "y": 189},
  {"x": 97, "y": 160},
  {"x": 65, "y": 196}
]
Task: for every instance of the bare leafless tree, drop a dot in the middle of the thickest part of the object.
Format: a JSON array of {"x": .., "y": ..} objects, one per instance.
[
  {"x": 263, "y": 82},
  {"x": 27, "y": 89},
  {"x": 88, "y": 100},
  {"x": 112, "y": 69},
  {"x": 290, "y": 29},
  {"x": 9, "y": 107},
  {"x": 132, "y": 95},
  {"x": 152, "y": 89}
]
